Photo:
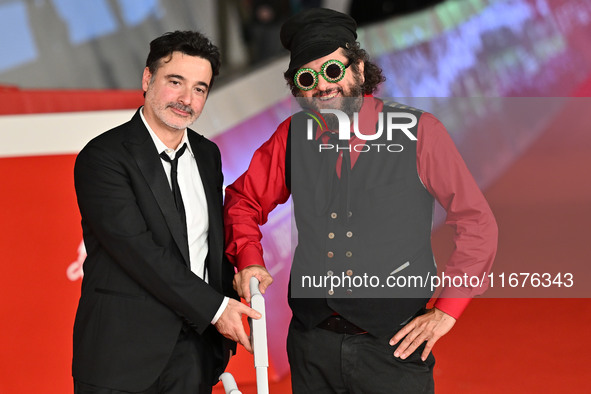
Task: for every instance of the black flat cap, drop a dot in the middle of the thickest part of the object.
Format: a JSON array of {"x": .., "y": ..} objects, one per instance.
[{"x": 315, "y": 33}]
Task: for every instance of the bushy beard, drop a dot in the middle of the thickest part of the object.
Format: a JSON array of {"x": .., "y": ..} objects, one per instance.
[{"x": 349, "y": 103}]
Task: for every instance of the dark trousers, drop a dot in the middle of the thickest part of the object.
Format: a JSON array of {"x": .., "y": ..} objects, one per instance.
[
  {"x": 184, "y": 372},
  {"x": 323, "y": 361}
]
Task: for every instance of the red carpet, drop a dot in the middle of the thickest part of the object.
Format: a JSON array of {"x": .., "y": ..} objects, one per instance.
[{"x": 543, "y": 208}]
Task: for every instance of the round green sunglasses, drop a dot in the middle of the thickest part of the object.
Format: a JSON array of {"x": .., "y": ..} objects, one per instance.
[{"x": 332, "y": 71}]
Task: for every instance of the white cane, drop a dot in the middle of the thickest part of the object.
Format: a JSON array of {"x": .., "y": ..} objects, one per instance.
[
  {"x": 258, "y": 340},
  {"x": 258, "y": 330}
]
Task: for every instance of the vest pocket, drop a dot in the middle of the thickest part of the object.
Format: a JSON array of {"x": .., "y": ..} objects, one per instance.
[{"x": 120, "y": 294}]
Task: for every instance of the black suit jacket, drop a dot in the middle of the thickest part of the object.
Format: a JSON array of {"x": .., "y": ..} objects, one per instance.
[{"x": 138, "y": 289}]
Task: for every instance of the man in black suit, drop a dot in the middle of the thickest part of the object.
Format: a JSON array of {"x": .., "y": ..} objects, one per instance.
[{"x": 157, "y": 312}]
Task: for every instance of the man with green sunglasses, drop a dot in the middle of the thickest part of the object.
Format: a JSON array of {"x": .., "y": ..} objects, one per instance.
[{"x": 363, "y": 211}]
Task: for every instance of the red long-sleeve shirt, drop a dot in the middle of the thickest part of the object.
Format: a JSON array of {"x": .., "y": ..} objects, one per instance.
[{"x": 441, "y": 169}]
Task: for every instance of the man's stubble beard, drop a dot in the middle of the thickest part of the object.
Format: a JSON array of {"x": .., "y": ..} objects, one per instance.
[{"x": 159, "y": 110}]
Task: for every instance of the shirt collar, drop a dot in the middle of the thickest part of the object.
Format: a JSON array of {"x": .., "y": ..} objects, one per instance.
[{"x": 160, "y": 146}]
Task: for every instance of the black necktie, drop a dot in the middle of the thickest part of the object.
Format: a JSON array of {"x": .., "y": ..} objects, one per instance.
[{"x": 176, "y": 191}]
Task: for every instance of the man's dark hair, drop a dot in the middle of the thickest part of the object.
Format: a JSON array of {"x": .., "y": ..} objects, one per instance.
[
  {"x": 190, "y": 43},
  {"x": 354, "y": 53}
]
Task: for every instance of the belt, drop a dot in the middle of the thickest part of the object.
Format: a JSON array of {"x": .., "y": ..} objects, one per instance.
[{"x": 340, "y": 325}]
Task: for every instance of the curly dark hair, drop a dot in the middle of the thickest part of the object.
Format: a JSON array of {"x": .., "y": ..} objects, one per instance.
[
  {"x": 373, "y": 74},
  {"x": 188, "y": 42}
]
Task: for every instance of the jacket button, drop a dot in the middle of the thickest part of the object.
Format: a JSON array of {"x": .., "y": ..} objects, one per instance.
[
  {"x": 330, "y": 292},
  {"x": 349, "y": 214},
  {"x": 329, "y": 273},
  {"x": 349, "y": 234},
  {"x": 331, "y": 235},
  {"x": 349, "y": 254},
  {"x": 333, "y": 215},
  {"x": 349, "y": 272},
  {"x": 330, "y": 255},
  {"x": 349, "y": 291}
]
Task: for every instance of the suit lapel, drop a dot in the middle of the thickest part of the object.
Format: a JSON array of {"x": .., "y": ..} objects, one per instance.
[
  {"x": 208, "y": 170},
  {"x": 142, "y": 149}
]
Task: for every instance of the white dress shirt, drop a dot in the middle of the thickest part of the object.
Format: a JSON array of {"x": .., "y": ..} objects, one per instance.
[{"x": 195, "y": 204}]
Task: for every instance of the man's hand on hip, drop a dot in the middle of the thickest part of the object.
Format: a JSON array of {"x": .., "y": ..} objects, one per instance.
[
  {"x": 428, "y": 327},
  {"x": 230, "y": 322},
  {"x": 242, "y": 280}
]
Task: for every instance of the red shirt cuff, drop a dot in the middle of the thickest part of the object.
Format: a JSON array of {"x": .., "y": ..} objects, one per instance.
[
  {"x": 250, "y": 255},
  {"x": 452, "y": 306}
]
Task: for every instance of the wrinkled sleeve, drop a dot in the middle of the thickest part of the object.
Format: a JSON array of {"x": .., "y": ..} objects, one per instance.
[
  {"x": 445, "y": 175},
  {"x": 251, "y": 198}
]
